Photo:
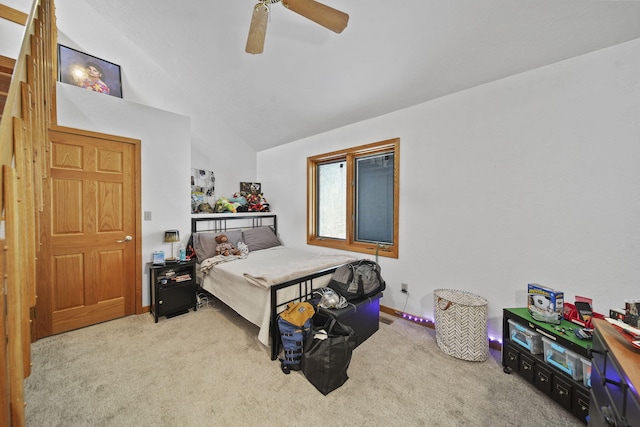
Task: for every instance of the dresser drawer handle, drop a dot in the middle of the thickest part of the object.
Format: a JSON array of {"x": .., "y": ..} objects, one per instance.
[{"x": 583, "y": 405}]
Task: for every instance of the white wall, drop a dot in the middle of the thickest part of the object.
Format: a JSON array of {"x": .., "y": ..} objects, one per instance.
[
  {"x": 533, "y": 178},
  {"x": 214, "y": 146},
  {"x": 166, "y": 159}
]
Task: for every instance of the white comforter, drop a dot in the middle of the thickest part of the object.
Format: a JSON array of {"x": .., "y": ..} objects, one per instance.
[
  {"x": 278, "y": 265},
  {"x": 243, "y": 284}
]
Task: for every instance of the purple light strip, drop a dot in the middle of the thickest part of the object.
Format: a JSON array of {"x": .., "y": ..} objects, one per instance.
[{"x": 432, "y": 323}]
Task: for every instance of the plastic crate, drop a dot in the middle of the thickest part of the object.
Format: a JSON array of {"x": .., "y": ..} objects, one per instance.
[
  {"x": 525, "y": 337},
  {"x": 586, "y": 372},
  {"x": 564, "y": 359}
]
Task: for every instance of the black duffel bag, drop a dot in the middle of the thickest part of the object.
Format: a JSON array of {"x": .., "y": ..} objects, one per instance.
[
  {"x": 327, "y": 354},
  {"x": 357, "y": 280}
]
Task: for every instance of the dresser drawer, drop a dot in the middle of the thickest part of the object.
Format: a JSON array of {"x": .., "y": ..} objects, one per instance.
[
  {"x": 580, "y": 403},
  {"x": 511, "y": 356},
  {"x": 542, "y": 377},
  {"x": 561, "y": 391},
  {"x": 526, "y": 366}
]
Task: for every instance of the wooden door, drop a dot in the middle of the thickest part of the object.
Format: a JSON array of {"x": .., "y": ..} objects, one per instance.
[{"x": 89, "y": 228}]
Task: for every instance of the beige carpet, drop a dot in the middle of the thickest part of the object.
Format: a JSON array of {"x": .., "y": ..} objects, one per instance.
[{"x": 207, "y": 368}]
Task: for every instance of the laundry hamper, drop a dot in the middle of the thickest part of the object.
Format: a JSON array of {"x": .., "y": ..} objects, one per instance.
[{"x": 461, "y": 324}]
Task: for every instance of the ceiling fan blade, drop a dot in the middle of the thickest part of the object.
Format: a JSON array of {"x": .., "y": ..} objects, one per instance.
[
  {"x": 319, "y": 13},
  {"x": 257, "y": 29}
]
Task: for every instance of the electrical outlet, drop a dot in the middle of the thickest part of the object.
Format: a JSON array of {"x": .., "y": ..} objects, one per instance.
[{"x": 404, "y": 287}]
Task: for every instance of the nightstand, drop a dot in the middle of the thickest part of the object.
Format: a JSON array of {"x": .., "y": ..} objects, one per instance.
[{"x": 172, "y": 288}]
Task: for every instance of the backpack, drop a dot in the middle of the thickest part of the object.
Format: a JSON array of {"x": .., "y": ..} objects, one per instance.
[
  {"x": 294, "y": 324},
  {"x": 357, "y": 280}
]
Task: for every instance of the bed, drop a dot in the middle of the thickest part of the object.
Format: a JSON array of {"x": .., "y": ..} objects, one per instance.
[{"x": 260, "y": 285}]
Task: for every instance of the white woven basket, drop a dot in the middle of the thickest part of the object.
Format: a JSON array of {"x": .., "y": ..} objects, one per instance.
[{"x": 461, "y": 324}]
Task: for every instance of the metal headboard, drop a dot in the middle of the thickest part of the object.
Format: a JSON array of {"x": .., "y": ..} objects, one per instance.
[{"x": 224, "y": 222}]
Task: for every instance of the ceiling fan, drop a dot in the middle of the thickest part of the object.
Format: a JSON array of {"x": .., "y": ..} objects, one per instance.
[{"x": 319, "y": 13}]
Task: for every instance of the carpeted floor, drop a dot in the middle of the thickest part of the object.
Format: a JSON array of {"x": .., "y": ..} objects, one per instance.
[{"x": 207, "y": 368}]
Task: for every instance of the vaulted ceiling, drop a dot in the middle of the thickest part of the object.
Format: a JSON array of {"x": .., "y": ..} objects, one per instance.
[{"x": 309, "y": 80}]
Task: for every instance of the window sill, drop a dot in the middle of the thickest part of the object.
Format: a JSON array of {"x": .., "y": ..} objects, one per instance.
[{"x": 365, "y": 248}]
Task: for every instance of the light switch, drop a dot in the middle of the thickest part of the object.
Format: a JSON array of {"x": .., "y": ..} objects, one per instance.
[{"x": 147, "y": 215}]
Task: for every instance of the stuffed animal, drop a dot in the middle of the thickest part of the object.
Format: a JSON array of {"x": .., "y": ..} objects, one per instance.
[
  {"x": 239, "y": 201},
  {"x": 205, "y": 208},
  {"x": 242, "y": 202},
  {"x": 244, "y": 249},
  {"x": 224, "y": 205},
  {"x": 257, "y": 203},
  {"x": 224, "y": 247}
]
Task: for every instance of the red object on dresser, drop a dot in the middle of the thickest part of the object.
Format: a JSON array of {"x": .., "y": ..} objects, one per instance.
[{"x": 570, "y": 313}]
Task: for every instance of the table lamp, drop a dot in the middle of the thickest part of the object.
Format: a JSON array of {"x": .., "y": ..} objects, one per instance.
[{"x": 171, "y": 236}]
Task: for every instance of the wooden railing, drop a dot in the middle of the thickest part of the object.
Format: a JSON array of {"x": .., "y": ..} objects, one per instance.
[
  {"x": 13, "y": 15},
  {"x": 28, "y": 112}
]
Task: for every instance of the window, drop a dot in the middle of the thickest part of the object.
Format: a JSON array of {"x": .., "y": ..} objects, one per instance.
[{"x": 353, "y": 198}]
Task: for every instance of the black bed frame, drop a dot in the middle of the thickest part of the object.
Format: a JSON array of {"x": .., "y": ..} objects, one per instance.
[{"x": 224, "y": 223}]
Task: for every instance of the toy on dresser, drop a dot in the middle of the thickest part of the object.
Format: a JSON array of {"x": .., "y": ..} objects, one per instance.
[
  {"x": 632, "y": 312},
  {"x": 581, "y": 313},
  {"x": 629, "y": 333},
  {"x": 545, "y": 304},
  {"x": 627, "y": 322}
]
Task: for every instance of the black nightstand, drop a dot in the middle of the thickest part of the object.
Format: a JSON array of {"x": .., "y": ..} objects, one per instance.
[{"x": 172, "y": 288}]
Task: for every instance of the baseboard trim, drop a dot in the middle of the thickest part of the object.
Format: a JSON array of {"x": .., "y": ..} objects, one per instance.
[{"x": 495, "y": 345}]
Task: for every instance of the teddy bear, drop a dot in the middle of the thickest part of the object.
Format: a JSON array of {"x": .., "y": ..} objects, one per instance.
[{"x": 224, "y": 247}]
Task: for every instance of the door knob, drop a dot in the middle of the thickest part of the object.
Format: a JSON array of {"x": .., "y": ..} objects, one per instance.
[{"x": 126, "y": 239}]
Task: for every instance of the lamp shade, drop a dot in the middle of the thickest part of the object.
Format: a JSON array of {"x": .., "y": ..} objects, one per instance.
[{"x": 171, "y": 236}]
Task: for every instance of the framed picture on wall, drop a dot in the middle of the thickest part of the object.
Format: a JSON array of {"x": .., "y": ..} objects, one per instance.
[
  {"x": 88, "y": 72},
  {"x": 251, "y": 187}
]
